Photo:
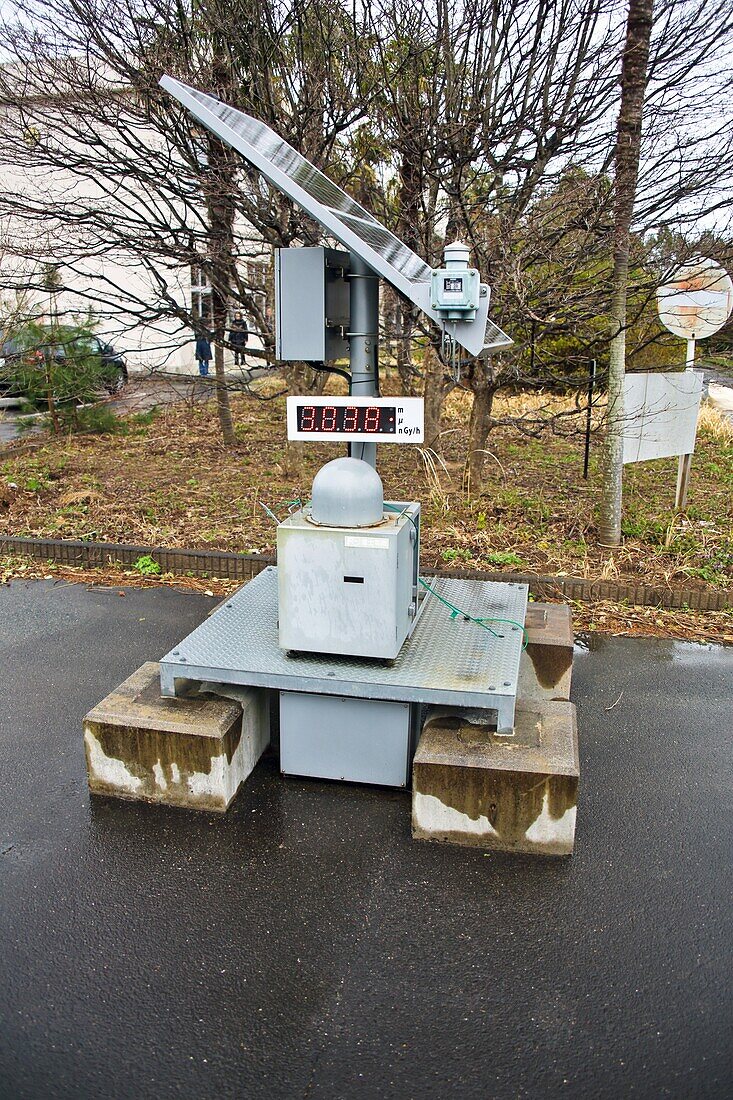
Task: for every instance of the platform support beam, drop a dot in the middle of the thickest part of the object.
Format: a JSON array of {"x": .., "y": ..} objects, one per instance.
[{"x": 472, "y": 786}]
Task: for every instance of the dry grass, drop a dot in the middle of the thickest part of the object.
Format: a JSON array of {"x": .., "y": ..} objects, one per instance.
[
  {"x": 715, "y": 424},
  {"x": 24, "y": 569},
  {"x": 170, "y": 482},
  {"x": 605, "y": 617}
]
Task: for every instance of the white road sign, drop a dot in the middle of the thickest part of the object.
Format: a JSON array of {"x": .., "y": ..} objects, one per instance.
[{"x": 697, "y": 300}]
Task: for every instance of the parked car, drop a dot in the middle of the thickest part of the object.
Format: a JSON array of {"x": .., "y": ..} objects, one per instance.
[
  {"x": 115, "y": 367},
  {"x": 10, "y": 353},
  {"x": 20, "y": 354}
]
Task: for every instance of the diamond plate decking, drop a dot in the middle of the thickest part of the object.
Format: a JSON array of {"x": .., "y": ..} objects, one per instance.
[{"x": 451, "y": 661}]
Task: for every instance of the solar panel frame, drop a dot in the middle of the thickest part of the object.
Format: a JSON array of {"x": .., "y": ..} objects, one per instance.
[
  {"x": 340, "y": 215},
  {"x": 495, "y": 338}
]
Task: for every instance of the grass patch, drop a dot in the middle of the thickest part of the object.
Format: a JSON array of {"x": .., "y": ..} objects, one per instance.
[
  {"x": 165, "y": 479},
  {"x": 147, "y": 566}
]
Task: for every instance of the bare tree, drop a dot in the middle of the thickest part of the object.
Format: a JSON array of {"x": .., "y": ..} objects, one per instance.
[
  {"x": 510, "y": 137},
  {"x": 498, "y": 97},
  {"x": 116, "y": 170},
  {"x": 628, "y": 152},
  {"x": 491, "y": 119}
]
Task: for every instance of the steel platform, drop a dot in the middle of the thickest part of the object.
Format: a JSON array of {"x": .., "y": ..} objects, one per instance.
[{"x": 448, "y": 660}]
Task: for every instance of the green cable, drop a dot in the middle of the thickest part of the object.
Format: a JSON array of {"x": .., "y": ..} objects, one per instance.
[
  {"x": 480, "y": 622},
  {"x": 456, "y": 610},
  {"x": 511, "y": 622}
]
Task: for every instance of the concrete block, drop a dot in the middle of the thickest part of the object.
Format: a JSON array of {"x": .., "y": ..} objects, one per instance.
[
  {"x": 546, "y": 667},
  {"x": 518, "y": 794},
  {"x": 194, "y": 751}
]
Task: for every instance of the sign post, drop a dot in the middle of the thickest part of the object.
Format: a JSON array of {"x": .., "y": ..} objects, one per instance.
[{"x": 684, "y": 462}]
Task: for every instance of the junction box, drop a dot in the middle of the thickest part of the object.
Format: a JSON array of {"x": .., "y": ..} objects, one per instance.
[
  {"x": 348, "y": 567},
  {"x": 311, "y": 304}
]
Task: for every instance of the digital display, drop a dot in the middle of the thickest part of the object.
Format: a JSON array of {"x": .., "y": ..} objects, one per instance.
[
  {"x": 379, "y": 419},
  {"x": 356, "y": 419}
]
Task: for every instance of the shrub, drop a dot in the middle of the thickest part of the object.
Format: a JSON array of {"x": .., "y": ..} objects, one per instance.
[{"x": 147, "y": 566}]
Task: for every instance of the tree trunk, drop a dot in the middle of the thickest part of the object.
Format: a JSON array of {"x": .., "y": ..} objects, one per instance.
[
  {"x": 319, "y": 381},
  {"x": 295, "y": 374},
  {"x": 434, "y": 392},
  {"x": 223, "y": 407},
  {"x": 612, "y": 455},
  {"x": 405, "y": 317},
  {"x": 409, "y": 197},
  {"x": 478, "y": 433},
  {"x": 220, "y": 193},
  {"x": 628, "y": 147},
  {"x": 50, "y": 400}
]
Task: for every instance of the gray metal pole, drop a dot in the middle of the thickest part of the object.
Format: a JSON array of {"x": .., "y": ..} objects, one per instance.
[{"x": 364, "y": 343}]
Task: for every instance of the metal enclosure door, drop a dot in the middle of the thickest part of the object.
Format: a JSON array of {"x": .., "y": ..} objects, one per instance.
[
  {"x": 334, "y": 737},
  {"x": 311, "y": 304}
]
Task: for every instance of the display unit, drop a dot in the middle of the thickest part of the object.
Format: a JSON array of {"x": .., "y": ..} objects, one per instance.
[{"x": 356, "y": 419}]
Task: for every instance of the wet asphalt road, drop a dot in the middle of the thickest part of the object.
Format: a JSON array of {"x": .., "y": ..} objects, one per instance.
[{"x": 304, "y": 946}]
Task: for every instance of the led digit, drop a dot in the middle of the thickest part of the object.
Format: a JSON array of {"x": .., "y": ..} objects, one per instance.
[
  {"x": 350, "y": 417},
  {"x": 328, "y": 419},
  {"x": 371, "y": 420},
  {"x": 308, "y": 419}
]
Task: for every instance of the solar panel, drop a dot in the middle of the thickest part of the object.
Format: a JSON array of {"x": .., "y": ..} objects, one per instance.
[
  {"x": 337, "y": 212},
  {"x": 289, "y": 160},
  {"x": 494, "y": 338},
  {"x": 390, "y": 247}
]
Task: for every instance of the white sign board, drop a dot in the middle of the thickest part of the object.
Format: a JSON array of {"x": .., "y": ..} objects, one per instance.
[{"x": 660, "y": 414}]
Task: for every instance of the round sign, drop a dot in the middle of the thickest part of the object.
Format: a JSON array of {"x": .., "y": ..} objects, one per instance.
[{"x": 697, "y": 300}]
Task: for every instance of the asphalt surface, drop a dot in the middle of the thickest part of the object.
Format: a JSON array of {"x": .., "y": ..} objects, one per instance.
[{"x": 304, "y": 946}]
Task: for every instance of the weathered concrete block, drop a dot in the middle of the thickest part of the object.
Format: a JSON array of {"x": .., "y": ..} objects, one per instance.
[
  {"x": 517, "y": 793},
  {"x": 193, "y": 752},
  {"x": 546, "y": 667}
]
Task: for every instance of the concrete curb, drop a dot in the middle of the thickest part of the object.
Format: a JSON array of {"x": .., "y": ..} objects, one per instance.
[{"x": 242, "y": 567}]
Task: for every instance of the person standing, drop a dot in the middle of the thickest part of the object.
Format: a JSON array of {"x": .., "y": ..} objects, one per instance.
[
  {"x": 238, "y": 335},
  {"x": 203, "y": 352}
]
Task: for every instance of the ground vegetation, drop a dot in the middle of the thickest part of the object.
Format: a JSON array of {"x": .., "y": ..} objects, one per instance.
[
  {"x": 168, "y": 481},
  {"x": 591, "y": 617},
  {"x": 495, "y": 121}
]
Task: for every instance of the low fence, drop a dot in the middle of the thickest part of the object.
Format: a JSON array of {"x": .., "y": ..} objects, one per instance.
[
  {"x": 242, "y": 567},
  {"x": 199, "y": 563}
]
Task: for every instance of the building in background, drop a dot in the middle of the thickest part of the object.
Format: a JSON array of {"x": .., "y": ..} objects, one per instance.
[{"x": 60, "y": 266}]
